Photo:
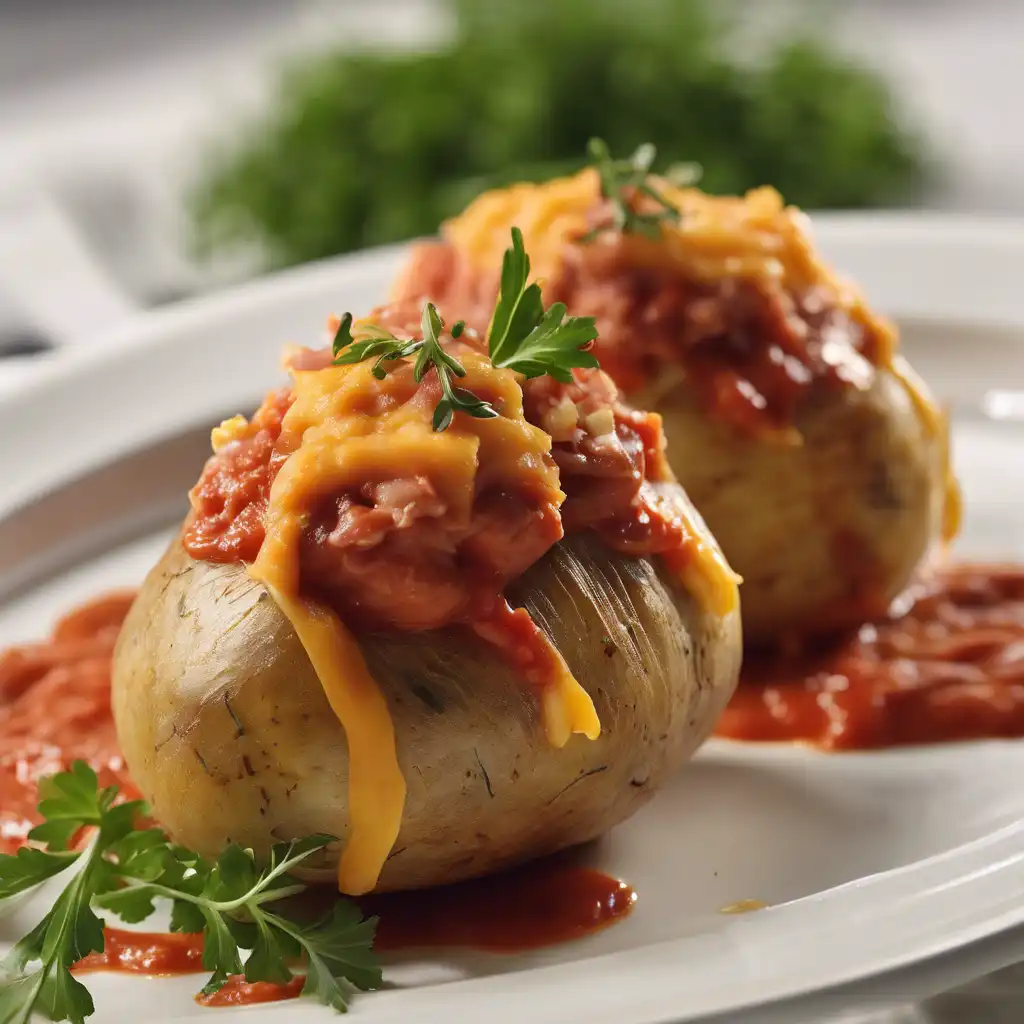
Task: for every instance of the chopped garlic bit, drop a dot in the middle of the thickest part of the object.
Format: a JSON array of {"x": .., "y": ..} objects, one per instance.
[
  {"x": 561, "y": 419},
  {"x": 600, "y": 422}
]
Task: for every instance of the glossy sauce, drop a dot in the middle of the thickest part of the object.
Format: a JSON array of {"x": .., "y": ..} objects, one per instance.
[
  {"x": 156, "y": 954},
  {"x": 949, "y": 666},
  {"x": 55, "y": 708},
  {"x": 541, "y": 904},
  {"x": 161, "y": 954},
  {"x": 236, "y": 991}
]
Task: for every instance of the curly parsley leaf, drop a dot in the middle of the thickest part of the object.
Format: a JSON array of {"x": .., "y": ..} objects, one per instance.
[{"x": 126, "y": 871}]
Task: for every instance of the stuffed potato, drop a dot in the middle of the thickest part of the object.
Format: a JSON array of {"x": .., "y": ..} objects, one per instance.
[
  {"x": 229, "y": 734},
  {"x": 815, "y": 457},
  {"x": 386, "y": 621}
]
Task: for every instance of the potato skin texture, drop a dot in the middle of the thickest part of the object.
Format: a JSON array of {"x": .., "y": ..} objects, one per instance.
[
  {"x": 826, "y": 534},
  {"x": 228, "y": 733}
]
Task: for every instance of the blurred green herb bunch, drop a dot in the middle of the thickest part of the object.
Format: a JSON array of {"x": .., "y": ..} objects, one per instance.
[{"x": 360, "y": 147}]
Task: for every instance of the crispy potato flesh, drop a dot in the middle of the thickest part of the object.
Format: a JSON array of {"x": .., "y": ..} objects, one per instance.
[{"x": 229, "y": 735}]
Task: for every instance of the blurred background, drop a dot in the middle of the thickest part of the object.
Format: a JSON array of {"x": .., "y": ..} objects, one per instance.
[
  {"x": 155, "y": 150},
  {"x": 150, "y": 150}
]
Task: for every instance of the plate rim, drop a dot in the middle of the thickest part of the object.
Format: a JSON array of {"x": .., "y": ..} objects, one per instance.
[{"x": 877, "y": 241}]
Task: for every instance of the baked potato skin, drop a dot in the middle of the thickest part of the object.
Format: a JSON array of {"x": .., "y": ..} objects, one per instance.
[
  {"x": 229, "y": 735},
  {"x": 824, "y": 534}
]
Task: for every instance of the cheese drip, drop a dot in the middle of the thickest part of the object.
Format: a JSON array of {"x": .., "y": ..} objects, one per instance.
[
  {"x": 755, "y": 236},
  {"x": 700, "y": 565},
  {"x": 347, "y": 429}
]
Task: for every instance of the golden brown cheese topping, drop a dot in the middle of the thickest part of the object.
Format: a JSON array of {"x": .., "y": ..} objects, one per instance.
[{"x": 401, "y": 526}]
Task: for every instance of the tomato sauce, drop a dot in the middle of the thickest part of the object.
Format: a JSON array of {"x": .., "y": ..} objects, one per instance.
[
  {"x": 236, "y": 991},
  {"x": 163, "y": 954},
  {"x": 156, "y": 954},
  {"x": 55, "y": 709},
  {"x": 947, "y": 665},
  {"x": 541, "y": 904}
]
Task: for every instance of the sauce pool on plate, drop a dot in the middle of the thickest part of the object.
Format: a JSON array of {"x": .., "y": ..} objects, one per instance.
[{"x": 947, "y": 665}]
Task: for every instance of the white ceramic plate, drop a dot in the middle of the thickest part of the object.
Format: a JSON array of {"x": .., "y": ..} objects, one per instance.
[{"x": 871, "y": 862}]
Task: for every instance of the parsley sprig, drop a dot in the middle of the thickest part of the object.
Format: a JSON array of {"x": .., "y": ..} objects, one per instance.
[
  {"x": 377, "y": 343},
  {"x": 526, "y": 338},
  {"x": 623, "y": 180},
  {"x": 234, "y": 902},
  {"x": 523, "y": 336}
]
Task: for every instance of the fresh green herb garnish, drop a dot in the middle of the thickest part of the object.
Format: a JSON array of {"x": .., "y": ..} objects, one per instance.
[
  {"x": 375, "y": 342},
  {"x": 622, "y": 181},
  {"x": 125, "y": 871},
  {"x": 431, "y": 354},
  {"x": 522, "y": 337},
  {"x": 525, "y": 338}
]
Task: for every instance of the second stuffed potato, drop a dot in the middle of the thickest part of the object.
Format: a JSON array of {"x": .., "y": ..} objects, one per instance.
[{"x": 816, "y": 458}]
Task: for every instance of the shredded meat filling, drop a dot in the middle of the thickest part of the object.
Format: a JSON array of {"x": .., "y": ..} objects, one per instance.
[
  {"x": 391, "y": 552},
  {"x": 754, "y": 348}
]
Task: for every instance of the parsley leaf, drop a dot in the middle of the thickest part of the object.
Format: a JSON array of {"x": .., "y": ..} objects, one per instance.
[
  {"x": 452, "y": 398},
  {"x": 343, "y": 335},
  {"x": 126, "y": 871},
  {"x": 525, "y": 338},
  {"x": 69, "y": 802},
  {"x": 623, "y": 180},
  {"x": 71, "y": 930},
  {"x": 338, "y": 952},
  {"x": 522, "y": 336},
  {"x": 31, "y": 866}
]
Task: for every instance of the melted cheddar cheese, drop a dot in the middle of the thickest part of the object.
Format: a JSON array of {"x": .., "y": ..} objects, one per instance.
[
  {"x": 345, "y": 428},
  {"x": 700, "y": 566},
  {"x": 704, "y": 572},
  {"x": 750, "y": 236}
]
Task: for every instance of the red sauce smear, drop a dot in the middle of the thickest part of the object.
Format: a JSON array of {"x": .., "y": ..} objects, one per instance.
[
  {"x": 56, "y": 708},
  {"x": 157, "y": 954},
  {"x": 541, "y": 904},
  {"x": 236, "y": 991},
  {"x": 950, "y": 667}
]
